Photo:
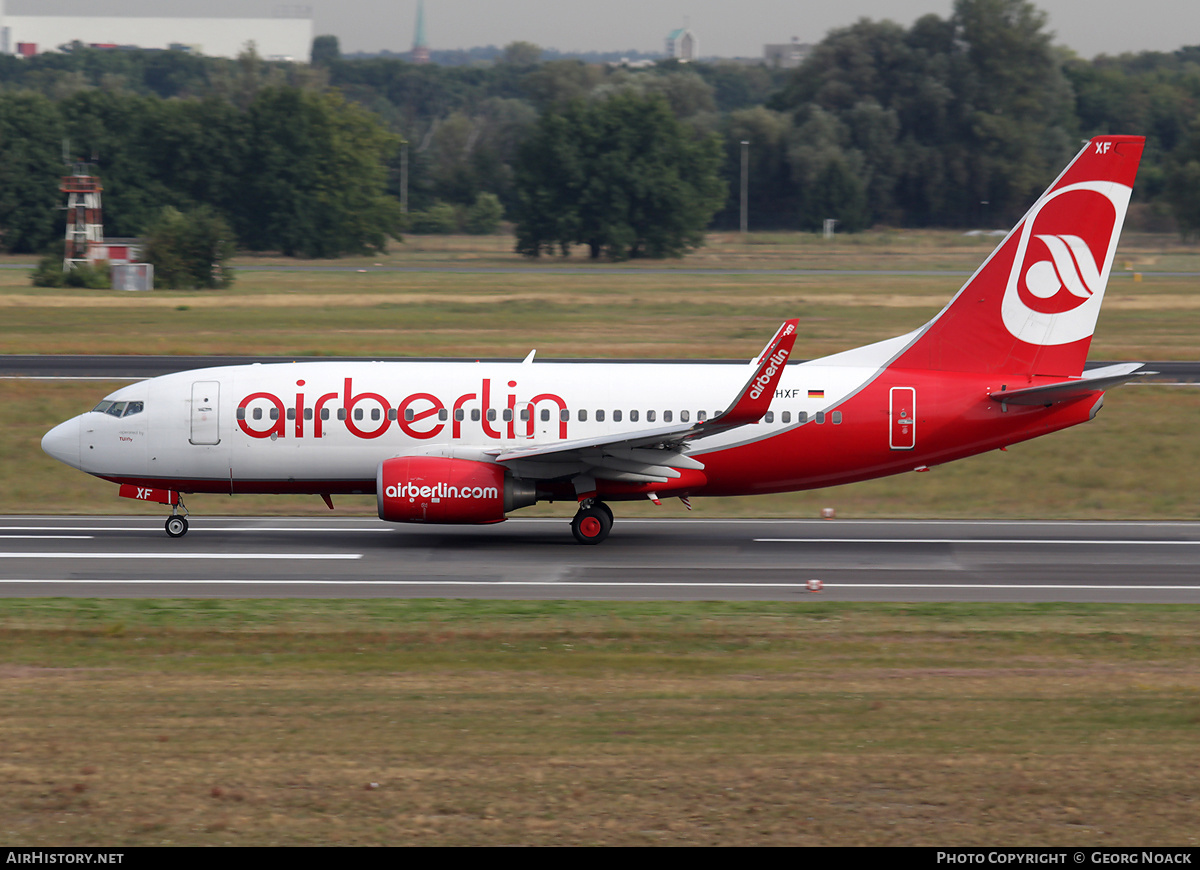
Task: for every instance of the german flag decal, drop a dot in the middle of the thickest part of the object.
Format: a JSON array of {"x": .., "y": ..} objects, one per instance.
[{"x": 816, "y": 394}]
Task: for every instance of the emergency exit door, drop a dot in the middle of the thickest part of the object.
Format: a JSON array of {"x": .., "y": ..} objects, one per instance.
[{"x": 903, "y": 416}]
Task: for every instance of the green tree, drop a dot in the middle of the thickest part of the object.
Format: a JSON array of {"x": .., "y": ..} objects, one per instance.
[
  {"x": 189, "y": 250},
  {"x": 771, "y": 191},
  {"x": 315, "y": 176},
  {"x": 438, "y": 219},
  {"x": 522, "y": 54},
  {"x": 1183, "y": 183},
  {"x": 325, "y": 50},
  {"x": 622, "y": 176},
  {"x": 30, "y": 173},
  {"x": 483, "y": 216}
]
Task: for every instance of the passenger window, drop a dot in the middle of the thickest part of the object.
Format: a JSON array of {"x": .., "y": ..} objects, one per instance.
[
  {"x": 837, "y": 417},
  {"x": 703, "y": 415},
  {"x": 408, "y": 415},
  {"x": 633, "y": 416},
  {"x": 341, "y": 413},
  {"x": 616, "y": 416},
  {"x": 582, "y": 416},
  {"x": 525, "y": 414},
  {"x": 802, "y": 417},
  {"x": 308, "y": 415},
  {"x": 391, "y": 413},
  {"x": 769, "y": 417},
  {"x": 459, "y": 415},
  {"x": 666, "y": 416},
  {"x": 599, "y": 416},
  {"x": 443, "y": 415},
  {"x": 684, "y": 416},
  {"x": 291, "y": 414},
  {"x": 241, "y": 413},
  {"x": 786, "y": 417},
  {"x": 324, "y": 413},
  {"x": 507, "y": 415},
  {"x": 256, "y": 413},
  {"x": 491, "y": 415},
  {"x": 274, "y": 415},
  {"x": 564, "y": 415},
  {"x": 475, "y": 415},
  {"x": 820, "y": 417},
  {"x": 650, "y": 415},
  {"x": 358, "y": 413}
]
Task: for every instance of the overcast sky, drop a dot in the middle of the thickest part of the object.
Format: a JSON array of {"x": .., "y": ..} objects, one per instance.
[{"x": 726, "y": 28}]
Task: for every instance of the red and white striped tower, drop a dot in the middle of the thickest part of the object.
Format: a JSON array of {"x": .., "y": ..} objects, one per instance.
[{"x": 85, "y": 220}]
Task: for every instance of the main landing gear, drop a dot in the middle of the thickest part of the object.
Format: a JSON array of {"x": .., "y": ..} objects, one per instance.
[
  {"x": 592, "y": 523},
  {"x": 177, "y": 524}
]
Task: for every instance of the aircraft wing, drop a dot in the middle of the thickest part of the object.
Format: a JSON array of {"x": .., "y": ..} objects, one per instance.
[
  {"x": 655, "y": 454},
  {"x": 1090, "y": 382}
]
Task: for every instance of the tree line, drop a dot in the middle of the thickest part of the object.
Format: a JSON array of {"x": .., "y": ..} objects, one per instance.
[{"x": 956, "y": 121}]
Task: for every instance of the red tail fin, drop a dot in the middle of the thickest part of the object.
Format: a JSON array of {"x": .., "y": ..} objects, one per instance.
[{"x": 1031, "y": 307}]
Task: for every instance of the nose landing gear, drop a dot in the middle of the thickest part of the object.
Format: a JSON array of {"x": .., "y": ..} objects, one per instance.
[{"x": 177, "y": 525}]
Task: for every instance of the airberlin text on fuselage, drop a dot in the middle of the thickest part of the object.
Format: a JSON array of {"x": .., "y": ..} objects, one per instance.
[{"x": 419, "y": 415}]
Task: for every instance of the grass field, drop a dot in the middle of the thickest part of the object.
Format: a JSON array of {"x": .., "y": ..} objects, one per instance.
[
  {"x": 643, "y": 309},
  {"x": 473, "y": 723},
  {"x": 147, "y": 722}
]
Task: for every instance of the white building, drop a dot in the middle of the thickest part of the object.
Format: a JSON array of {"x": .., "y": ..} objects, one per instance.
[
  {"x": 683, "y": 45},
  {"x": 288, "y": 36}
]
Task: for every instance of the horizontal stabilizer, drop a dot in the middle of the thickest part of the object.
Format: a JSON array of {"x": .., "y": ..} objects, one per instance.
[{"x": 1096, "y": 379}]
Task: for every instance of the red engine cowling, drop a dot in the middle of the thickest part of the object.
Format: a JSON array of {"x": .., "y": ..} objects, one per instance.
[{"x": 436, "y": 489}]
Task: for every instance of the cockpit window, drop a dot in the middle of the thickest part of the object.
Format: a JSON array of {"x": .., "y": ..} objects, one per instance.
[{"x": 119, "y": 409}]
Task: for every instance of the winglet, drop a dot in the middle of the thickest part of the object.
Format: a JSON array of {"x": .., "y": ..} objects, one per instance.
[{"x": 755, "y": 398}]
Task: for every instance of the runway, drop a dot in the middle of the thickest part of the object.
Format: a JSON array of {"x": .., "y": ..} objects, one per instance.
[{"x": 688, "y": 559}]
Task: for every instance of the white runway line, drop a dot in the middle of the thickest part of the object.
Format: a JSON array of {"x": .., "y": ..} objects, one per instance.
[
  {"x": 189, "y": 556},
  {"x": 1007, "y": 541},
  {"x": 50, "y": 537},
  {"x": 158, "y": 528}
]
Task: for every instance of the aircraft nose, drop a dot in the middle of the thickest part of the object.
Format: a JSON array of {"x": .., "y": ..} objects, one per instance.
[{"x": 62, "y": 442}]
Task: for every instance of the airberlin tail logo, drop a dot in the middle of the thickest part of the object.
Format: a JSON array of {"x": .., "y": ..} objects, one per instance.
[
  {"x": 1071, "y": 268},
  {"x": 1064, "y": 252}
]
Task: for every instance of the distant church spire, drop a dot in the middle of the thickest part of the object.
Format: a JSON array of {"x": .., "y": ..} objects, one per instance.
[{"x": 420, "y": 49}]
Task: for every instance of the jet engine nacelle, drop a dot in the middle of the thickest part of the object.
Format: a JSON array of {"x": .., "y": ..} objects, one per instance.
[{"x": 437, "y": 489}]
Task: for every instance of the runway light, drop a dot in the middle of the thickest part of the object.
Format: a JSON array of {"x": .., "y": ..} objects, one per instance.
[{"x": 815, "y": 585}]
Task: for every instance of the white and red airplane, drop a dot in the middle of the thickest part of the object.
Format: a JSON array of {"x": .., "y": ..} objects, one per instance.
[{"x": 455, "y": 442}]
